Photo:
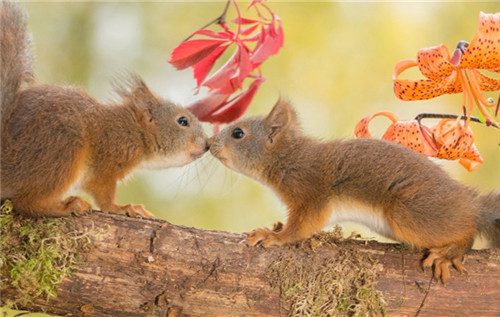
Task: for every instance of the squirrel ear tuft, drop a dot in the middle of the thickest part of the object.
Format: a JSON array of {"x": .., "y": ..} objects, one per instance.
[{"x": 280, "y": 118}]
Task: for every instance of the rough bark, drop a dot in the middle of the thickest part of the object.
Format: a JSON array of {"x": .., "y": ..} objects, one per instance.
[{"x": 153, "y": 268}]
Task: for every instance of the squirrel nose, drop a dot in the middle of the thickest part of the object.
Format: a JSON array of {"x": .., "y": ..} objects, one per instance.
[{"x": 210, "y": 142}]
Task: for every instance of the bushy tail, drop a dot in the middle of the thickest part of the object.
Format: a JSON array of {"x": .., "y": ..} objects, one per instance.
[
  {"x": 15, "y": 55},
  {"x": 489, "y": 224}
]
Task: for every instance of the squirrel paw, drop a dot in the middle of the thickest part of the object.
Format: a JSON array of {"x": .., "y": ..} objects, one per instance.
[
  {"x": 265, "y": 236},
  {"x": 132, "y": 210},
  {"x": 76, "y": 206},
  {"x": 437, "y": 258}
]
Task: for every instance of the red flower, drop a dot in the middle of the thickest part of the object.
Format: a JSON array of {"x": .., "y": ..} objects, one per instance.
[{"x": 266, "y": 34}]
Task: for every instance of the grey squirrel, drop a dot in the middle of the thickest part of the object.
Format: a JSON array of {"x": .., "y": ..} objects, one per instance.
[
  {"x": 56, "y": 137},
  {"x": 396, "y": 192}
]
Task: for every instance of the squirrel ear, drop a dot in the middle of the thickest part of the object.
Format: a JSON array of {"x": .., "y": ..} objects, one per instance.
[
  {"x": 144, "y": 100},
  {"x": 279, "y": 119}
]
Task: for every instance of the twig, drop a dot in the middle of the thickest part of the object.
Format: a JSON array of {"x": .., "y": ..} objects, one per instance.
[
  {"x": 448, "y": 116},
  {"x": 425, "y": 297},
  {"x": 221, "y": 19}
]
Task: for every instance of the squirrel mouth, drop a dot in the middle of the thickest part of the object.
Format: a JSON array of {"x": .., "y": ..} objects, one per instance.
[{"x": 197, "y": 155}]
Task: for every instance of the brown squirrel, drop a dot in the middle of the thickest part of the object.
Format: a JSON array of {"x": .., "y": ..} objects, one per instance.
[
  {"x": 395, "y": 191},
  {"x": 54, "y": 138}
]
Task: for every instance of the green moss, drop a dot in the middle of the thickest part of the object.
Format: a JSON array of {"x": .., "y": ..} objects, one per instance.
[
  {"x": 316, "y": 285},
  {"x": 38, "y": 253}
]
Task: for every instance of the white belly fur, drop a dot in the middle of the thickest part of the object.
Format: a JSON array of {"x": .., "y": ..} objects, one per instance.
[{"x": 373, "y": 218}]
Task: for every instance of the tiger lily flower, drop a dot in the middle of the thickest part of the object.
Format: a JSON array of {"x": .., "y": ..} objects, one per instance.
[
  {"x": 458, "y": 72},
  {"x": 448, "y": 139}
]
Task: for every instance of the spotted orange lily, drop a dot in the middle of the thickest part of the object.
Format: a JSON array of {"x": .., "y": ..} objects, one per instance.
[
  {"x": 449, "y": 138},
  {"x": 458, "y": 72}
]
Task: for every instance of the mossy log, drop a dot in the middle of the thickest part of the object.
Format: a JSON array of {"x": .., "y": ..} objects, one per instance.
[{"x": 144, "y": 267}]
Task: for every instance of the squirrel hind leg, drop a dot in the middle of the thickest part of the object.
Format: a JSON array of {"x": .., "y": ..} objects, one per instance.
[
  {"x": 442, "y": 258},
  {"x": 53, "y": 207}
]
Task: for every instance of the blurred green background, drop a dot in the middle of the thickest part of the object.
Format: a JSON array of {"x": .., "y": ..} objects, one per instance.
[{"x": 335, "y": 66}]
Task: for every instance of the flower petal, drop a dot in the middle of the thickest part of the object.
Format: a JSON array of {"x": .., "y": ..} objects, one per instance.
[
  {"x": 222, "y": 77},
  {"x": 361, "y": 129},
  {"x": 484, "y": 49},
  {"x": 243, "y": 21},
  {"x": 203, "y": 67},
  {"x": 236, "y": 107},
  {"x": 411, "y": 135},
  {"x": 245, "y": 65},
  {"x": 191, "y": 52},
  {"x": 216, "y": 35},
  {"x": 270, "y": 43},
  {"x": 407, "y": 133},
  {"x": 456, "y": 142},
  {"x": 434, "y": 62},
  {"x": 401, "y": 66},
  {"x": 210, "y": 103},
  {"x": 486, "y": 83},
  {"x": 472, "y": 159},
  {"x": 422, "y": 89}
]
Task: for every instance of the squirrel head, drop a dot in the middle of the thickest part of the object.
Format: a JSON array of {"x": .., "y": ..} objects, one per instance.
[
  {"x": 172, "y": 135},
  {"x": 250, "y": 145}
]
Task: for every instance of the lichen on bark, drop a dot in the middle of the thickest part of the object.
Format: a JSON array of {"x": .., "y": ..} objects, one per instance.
[{"x": 36, "y": 254}]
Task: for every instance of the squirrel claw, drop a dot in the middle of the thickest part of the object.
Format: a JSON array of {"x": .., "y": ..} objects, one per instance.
[
  {"x": 132, "y": 211},
  {"x": 441, "y": 264},
  {"x": 77, "y": 206},
  {"x": 262, "y": 236}
]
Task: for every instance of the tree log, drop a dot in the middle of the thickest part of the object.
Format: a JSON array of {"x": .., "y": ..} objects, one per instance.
[{"x": 143, "y": 267}]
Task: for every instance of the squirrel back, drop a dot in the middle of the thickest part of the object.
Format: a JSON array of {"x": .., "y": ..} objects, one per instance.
[{"x": 16, "y": 60}]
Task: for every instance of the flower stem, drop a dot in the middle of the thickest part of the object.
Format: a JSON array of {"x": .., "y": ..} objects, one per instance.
[
  {"x": 448, "y": 116},
  {"x": 221, "y": 19}
]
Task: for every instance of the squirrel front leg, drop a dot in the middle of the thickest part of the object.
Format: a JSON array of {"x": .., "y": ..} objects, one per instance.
[
  {"x": 103, "y": 190},
  {"x": 302, "y": 222}
]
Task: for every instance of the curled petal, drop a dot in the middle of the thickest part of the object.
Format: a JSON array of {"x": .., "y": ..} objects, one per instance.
[
  {"x": 401, "y": 66},
  {"x": 434, "y": 62},
  {"x": 361, "y": 129}
]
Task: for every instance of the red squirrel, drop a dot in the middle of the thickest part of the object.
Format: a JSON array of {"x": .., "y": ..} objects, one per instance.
[
  {"x": 395, "y": 191},
  {"x": 55, "y": 138}
]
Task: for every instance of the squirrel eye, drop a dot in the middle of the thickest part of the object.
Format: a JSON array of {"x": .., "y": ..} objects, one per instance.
[
  {"x": 237, "y": 133},
  {"x": 183, "y": 121}
]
